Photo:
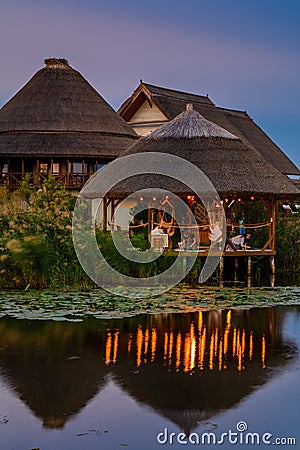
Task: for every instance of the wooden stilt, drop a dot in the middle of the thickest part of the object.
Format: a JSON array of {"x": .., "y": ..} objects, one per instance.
[
  {"x": 249, "y": 271},
  {"x": 272, "y": 267},
  {"x": 221, "y": 272},
  {"x": 236, "y": 269}
]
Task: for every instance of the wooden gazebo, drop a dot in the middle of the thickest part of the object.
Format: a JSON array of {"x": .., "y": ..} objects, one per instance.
[
  {"x": 58, "y": 123},
  {"x": 237, "y": 171}
]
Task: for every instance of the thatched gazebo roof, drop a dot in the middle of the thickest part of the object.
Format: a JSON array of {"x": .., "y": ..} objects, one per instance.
[
  {"x": 59, "y": 114},
  {"x": 233, "y": 167},
  {"x": 171, "y": 102}
]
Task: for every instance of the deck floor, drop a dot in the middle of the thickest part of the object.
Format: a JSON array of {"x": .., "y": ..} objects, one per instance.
[{"x": 238, "y": 253}]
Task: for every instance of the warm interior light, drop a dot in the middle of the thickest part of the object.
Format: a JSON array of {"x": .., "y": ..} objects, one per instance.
[
  {"x": 239, "y": 199},
  {"x": 154, "y": 199},
  {"x": 190, "y": 197},
  {"x": 252, "y": 198},
  {"x": 226, "y": 200},
  {"x": 141, "y": 198}
]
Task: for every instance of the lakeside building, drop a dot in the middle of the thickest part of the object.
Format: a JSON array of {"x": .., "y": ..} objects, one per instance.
[{"x": 58, "y": 123}]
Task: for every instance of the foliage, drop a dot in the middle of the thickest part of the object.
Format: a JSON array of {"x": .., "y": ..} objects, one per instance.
[
  {"x": 288, "y": 243},
  {"x": 36, "y": 248}
]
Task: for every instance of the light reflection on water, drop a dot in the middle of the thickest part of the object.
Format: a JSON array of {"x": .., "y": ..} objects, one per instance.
[{"x": 180, "y": 369}]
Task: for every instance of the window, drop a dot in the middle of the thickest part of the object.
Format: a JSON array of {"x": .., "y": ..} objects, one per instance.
[
  {"x": 55, "y": 168},
  {"x": 43, "y": 168}
]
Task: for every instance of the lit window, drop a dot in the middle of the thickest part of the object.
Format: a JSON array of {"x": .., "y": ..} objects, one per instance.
[
  {"x": 43, "y": 168},
  {"x": 55, "y": 168}
]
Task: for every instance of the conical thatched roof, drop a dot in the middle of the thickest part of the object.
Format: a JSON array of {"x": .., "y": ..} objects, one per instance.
[
  {"x": 231, "y": 165},
  {"x": 58, "y": 113}
]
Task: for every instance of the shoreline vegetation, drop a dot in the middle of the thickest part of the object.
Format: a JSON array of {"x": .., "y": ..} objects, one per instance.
[
  {"x": 76, "y": 306},
  {"x": 36, "y": 246}
]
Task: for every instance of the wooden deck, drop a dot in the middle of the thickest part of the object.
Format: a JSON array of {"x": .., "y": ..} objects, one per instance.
[
  {"x": 248, "y": 254},
  {"x": 238, "y": 253}
]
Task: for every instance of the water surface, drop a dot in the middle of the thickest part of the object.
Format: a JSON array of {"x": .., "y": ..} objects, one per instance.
[{"x": 118, "y": 383}]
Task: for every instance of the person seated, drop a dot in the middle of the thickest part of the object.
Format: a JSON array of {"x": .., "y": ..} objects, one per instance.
[
  {"x": 189, "y": 242},
  {"x": 286, "y": 208},
  {"x": 240, "y": 242},
  {"x": 158, "y": 239},
  {"x": 215, "y": 234}
]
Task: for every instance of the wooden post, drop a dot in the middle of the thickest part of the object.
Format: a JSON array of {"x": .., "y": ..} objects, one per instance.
[
  {"x": 249, "y": 271},
  {"x": 23, "y": 169},
  {"x": 68, "y": 173},
  {"x": 8, "y": 173},
  {"x": 112, "y": 212},
  {"x": 149, "y": 219},
  {"x": 105, "y": 204},
  {"x": 236, "y": 268},
  {"x": 273, "y": 222},
  {"x": 36, "y": 177},
  {"x": 221, "y": 272},
  {"x": 272, "y": 266},
  {"x": 82, "y": 173}
]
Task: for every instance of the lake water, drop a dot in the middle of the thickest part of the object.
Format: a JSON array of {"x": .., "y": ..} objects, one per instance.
[{"x": 130, "y": 383}]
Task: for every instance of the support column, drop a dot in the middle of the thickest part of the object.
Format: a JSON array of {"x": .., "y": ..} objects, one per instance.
[
  {"x": 82, "y": 173},
  {"x": 112, "y": 212},
  {"x": 221, "y": 272},
  {"x": 236, "y": 268},
  {"x": 105, "y": 204},
  {"x": 249, "y": 267},
  {"x": 273, "y": 222},
  {"x": 272, "y": 267}
]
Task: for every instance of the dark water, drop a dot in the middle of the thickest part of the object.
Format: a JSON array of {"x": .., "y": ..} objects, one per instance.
[{"x": 119, "y": 383}]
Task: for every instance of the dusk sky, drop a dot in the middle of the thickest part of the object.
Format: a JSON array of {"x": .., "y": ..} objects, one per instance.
[{"x": 244, "y": 54}]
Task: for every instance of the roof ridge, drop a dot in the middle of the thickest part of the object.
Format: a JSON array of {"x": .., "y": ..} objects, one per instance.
[
  {"x": 176, "y": 90},
  {"x": 188, "y": 125}
]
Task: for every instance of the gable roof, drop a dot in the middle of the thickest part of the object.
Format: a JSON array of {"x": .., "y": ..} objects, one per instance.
[
  {"x": 239, "y": 123},
  {"x": 58, "y": 113}
]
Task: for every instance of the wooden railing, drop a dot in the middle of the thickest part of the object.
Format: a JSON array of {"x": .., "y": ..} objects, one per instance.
[{"x": 69, "y": 180}]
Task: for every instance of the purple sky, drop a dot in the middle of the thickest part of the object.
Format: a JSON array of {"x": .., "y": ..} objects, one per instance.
[{"x": 244, "y": 54}]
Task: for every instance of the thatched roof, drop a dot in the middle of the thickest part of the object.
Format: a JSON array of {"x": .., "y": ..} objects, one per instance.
[
  {"x": 58, "y": 113},
  {"x": 239, "y": 123},
  {"x": 232, "y": 166}
]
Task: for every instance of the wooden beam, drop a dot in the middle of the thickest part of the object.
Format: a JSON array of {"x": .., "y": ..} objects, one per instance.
[{"x": 267, "y": 243}]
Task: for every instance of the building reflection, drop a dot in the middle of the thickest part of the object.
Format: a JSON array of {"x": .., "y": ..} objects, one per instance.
[
  {"x": 186, "y": 367},
  {"x": 211, "y": 340}
]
